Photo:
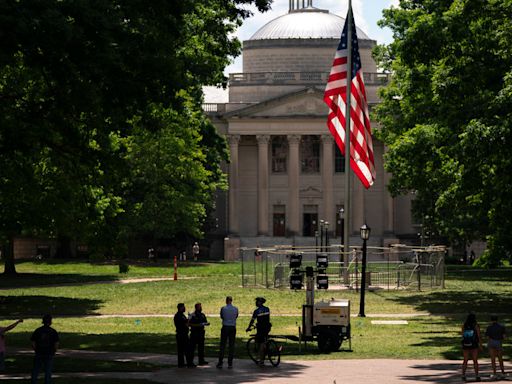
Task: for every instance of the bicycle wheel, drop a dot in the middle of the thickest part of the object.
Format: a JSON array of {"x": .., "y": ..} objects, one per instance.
[
  {"x": 253, "y": 349},
  {"x": 273, "y": 353}
]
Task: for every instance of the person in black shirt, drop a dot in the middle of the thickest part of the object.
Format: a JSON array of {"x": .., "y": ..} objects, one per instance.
[
  {"x": 45, "y": 341},
  {"x": 262, "y": 315},
  {"x": 495, "y": 334},
  {"x": 182, "y": 341},
  {"x": 197, "y": 322}
]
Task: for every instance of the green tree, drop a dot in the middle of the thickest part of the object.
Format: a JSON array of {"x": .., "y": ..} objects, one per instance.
[
  {"x": 446, "y": 116},
  {"x": 84, "y": 85}
]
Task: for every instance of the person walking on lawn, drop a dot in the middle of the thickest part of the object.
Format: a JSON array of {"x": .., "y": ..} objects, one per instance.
[{"x": 228, "y": 314}]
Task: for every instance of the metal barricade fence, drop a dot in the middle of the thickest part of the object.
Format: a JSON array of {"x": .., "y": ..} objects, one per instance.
[{"x": 388, "y": 268}]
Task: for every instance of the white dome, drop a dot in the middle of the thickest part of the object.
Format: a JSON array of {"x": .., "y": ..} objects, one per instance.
[{"x": 306, "y": 23}]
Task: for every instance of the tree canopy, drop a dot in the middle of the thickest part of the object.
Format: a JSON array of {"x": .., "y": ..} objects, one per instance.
[
  {"x": 446, "y": 117},
  {"x": 101, "y": 129}
]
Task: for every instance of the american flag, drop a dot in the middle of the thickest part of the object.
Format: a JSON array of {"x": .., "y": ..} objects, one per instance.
[{"x": 335, "y": 96}]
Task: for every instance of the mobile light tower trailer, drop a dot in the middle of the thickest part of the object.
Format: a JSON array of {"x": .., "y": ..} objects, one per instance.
[{"x": 327, "y": 322}]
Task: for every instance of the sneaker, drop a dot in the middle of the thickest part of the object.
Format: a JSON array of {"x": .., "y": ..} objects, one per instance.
[
  {"x": 230, "y": 366},
  {"x": 219, "y": 365},
  {"x": 478, "y": 378},
  {"x": 261, "y": 363},
  {"x": 203, "y": 363},
  {"x": 191, "y": 365},
  {"x": 493, "y": 377}
]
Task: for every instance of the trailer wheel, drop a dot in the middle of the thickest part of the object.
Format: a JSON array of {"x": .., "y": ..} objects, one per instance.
[{"x": 329, "y": 341}]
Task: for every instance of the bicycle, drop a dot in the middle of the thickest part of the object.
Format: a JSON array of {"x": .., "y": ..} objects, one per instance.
[{"x": 272, "y": 350}]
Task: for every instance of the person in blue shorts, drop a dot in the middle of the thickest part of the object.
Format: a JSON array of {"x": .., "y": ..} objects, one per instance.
[{"x": 495, "y": 334}]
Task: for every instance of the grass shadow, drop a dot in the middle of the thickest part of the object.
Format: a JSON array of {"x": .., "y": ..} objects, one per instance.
[
  {"x": 28, "y": 280},
  {"x": 37, "y": 305}
]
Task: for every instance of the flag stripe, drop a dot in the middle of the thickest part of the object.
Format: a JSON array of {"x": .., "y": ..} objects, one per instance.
[{"x": 361, "y": 146}]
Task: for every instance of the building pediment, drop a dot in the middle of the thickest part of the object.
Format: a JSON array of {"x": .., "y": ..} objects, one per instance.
[
  {"x": 310, "y": 192},
  {"x": 307, "y": 102}
]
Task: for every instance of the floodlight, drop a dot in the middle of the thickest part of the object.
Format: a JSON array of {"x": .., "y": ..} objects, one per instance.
[
  {"x": 295, "y": 260},
  {"x": 322, "y": 281}
]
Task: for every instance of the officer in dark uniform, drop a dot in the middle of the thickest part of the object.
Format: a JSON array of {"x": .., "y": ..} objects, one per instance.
[
  {"x": 182, "y": 341},
  {"x": 262, "y": 315},
  {"x": 197, "y": 321}
]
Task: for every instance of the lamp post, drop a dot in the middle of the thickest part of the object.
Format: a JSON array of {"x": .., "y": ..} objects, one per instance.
[{"x": 365, "y": 235}]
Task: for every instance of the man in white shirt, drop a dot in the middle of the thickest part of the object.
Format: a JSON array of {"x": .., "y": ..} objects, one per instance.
[{"x": 228, "y": 314}]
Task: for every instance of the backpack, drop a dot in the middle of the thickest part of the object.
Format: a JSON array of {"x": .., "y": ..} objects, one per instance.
[{"x": 469, "y": 338}]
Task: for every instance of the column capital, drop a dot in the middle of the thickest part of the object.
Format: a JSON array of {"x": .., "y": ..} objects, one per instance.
[
  {"x": 327, "y": 139},
  {"x": 263, "y": 139},
  {"x": 293, "y": 139},
  {"x": 234, "y": 139}
]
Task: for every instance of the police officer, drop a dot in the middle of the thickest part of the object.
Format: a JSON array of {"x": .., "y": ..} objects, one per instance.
[
  {"x": 262, "y": 315},
  {"x": 182, "y": 341},
  {"x": 197, "y": 321}
]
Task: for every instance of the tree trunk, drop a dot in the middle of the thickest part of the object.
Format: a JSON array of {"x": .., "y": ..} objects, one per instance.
[{"x": 9, "y": 266}]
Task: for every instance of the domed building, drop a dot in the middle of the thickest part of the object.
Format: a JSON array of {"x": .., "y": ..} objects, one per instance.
[{"x": 286, "y": 172}]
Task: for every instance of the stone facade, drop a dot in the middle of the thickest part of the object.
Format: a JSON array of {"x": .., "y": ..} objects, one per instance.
[{"x": 285, "y": 173}]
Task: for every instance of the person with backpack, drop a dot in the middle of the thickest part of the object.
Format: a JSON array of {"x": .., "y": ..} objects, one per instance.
[
  {"x": 471, "y": 344},
  {"x": 45, "y": 341}
]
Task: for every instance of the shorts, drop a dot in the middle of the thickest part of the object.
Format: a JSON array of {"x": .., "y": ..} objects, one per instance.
[{"x": 495, "y": 344}]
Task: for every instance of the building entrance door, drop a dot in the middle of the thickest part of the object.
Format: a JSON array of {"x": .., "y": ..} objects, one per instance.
[
  {"x": 279, "y": 224},
  {"x": 309, "y": 224}
]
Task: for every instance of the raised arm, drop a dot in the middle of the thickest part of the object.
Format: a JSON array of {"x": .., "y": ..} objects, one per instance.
[{"x": 13, "y": 325}]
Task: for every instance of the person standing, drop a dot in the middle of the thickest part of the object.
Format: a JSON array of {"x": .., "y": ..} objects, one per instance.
[
  {"x": 228, "y": 314},
  {"x": 197, "y": 321},
  {"x": 182, "y": 341},
  {"x": 471, "y": 344},
  {"x": 195, "y": 250},
  {"x": 45, "y": 341},
  {"x": 262, "y": 315},
  {"x": 495, "y": 334},
  {"x": 3, "y": 331}
]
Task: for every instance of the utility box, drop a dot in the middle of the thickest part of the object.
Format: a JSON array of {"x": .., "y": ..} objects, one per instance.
[
  {"x": 334, "y": 312},
  {"x": 331, "y": 323}
]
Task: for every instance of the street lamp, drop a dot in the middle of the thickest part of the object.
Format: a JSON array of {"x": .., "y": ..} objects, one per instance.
[{"x": 365, "y": 235}]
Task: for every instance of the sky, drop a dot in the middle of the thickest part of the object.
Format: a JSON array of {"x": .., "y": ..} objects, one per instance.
[{"x": 366, "y": 15}]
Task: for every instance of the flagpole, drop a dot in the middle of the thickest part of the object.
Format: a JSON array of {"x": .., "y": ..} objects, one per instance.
[{"x": 347, "y": 204}]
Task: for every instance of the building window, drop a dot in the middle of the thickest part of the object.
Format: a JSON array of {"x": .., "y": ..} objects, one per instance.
[
  {"x": 279, "y": 220},
  {"x": 310, "y": 154},
  {"x": 310, "y": 220},
  {"x": 339, "y": 160},
  {"x": 279, "y": 154}
]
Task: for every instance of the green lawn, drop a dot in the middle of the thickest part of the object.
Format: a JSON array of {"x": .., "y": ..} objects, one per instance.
[{"x": 434, "y": 336}]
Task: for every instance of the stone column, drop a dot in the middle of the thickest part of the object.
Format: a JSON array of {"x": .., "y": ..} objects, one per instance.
[
  {"x": 233, "y": 185},
  {"x": 292, "y": 210},
  {"x": 329, "y": 213},
  {"x": 263, "y": 184}
]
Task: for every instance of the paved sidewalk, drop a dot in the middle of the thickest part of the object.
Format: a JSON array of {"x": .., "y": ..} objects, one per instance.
[{"x": 378, "y": 371}]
